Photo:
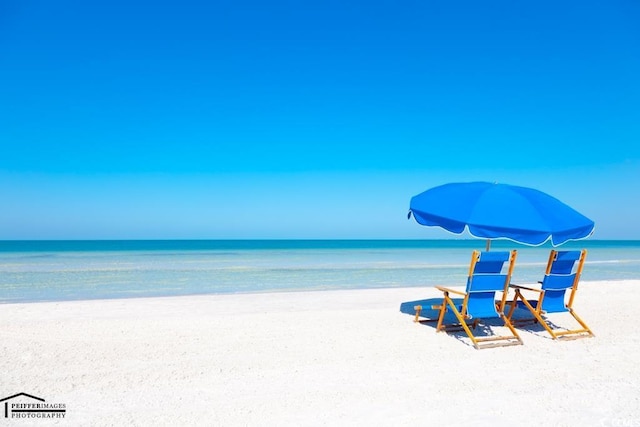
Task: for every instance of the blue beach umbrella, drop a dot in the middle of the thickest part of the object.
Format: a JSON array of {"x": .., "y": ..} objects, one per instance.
[{"x": 500, "y": 211}]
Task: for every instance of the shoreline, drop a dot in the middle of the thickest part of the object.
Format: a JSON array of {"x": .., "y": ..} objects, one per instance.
[
  {"x": 314, "y": 358},
  {"x": 88, "y": 274},
  {"x": 278, "y": 292}
]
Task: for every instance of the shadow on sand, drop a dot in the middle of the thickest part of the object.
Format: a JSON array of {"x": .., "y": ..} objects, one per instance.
[
  {"x": 429, "y": 314},
  {"x": 429, "y": 317}
]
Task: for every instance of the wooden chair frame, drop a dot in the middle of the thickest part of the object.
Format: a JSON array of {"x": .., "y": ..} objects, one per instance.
[
  {"x": 537, "y": 311},
  {"x": 463, "y": 316}
]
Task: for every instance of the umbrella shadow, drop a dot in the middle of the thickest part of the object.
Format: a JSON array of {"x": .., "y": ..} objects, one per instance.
[
  {"x": 428, "y": 314},
  {"x": 430, "y": 310}
]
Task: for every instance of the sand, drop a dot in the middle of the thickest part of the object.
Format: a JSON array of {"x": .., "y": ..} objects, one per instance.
[{"x": 314, "y": 358}]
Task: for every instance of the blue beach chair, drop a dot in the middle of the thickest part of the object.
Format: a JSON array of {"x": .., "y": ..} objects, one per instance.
[
  {"x": 562, "y": 275},
  {"x": 479, "y": 299}
]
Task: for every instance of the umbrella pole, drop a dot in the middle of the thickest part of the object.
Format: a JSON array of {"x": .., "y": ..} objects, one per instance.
[{"x": 488, "y": 244}]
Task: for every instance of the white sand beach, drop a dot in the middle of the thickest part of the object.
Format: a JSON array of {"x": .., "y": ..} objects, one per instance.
[{"x": 315, "y": 358}]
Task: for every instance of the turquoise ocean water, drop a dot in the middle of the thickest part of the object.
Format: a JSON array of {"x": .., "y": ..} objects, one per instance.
[{"x": 74, "y": 270}]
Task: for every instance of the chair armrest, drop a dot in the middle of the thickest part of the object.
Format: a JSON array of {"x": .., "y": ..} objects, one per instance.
[
  {"x": 443, "y": 289},
  {"x": 511, "y": 285}
]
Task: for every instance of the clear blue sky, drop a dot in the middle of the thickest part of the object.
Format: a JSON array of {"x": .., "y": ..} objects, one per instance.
[{"x": 309, "y": 119}]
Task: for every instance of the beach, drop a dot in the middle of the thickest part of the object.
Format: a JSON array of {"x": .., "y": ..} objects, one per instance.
[{"x": 340, "y": 357}]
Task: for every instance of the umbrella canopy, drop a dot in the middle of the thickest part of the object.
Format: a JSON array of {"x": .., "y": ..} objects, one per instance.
[{"x": 500, "y": 211}]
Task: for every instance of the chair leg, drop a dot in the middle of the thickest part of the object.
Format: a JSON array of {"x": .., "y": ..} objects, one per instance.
[
  {"x": 514, "y": 304},
  {"x": 463, "y": 323},
  {"x": 507, "y": 322},
  {"x": 538, "y": 318},
  {"x": 443, "y": 310},
  {"x": 558, "y": 333},
  {"x": 418, "y": 309},
  {"x": 584, "y": 325},
  {"x": 478, "y": 342}
]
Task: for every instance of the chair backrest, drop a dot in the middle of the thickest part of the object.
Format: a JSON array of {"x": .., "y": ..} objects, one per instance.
[
  {"x": 489, "y": 262},
  {"x": 562, "y": 262},
  {"x": 486, "y": 277},
  {"x": 485, "y": 271},
  {"x": 563, "y": 272}
]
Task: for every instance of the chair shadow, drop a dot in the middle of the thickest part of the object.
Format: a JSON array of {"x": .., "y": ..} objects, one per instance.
[
  {"x": 429, "y": 317},
  {"x": 532, "y": 326}
]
